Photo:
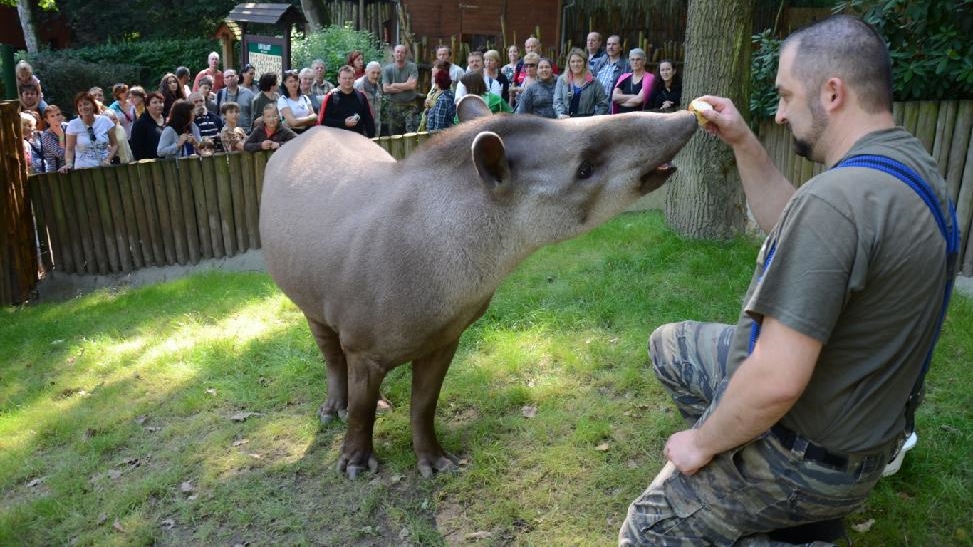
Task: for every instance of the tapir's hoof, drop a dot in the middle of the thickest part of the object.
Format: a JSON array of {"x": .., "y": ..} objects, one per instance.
[
  {"x": 351, "y": 470},
  {"x": 328, "y": 412},
  {"x": 441, "y": 464}
]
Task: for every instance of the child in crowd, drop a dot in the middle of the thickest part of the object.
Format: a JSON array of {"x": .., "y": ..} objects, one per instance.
[
  {"x": 124, "y": 154},
  {"x": 232, "y": 136},
  {"x": 25, "y": 76}
]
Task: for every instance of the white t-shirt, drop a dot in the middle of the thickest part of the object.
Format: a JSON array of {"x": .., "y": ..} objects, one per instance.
[
  {"x": 299, "y": 108},
  {"x": 86, "y": 152}
]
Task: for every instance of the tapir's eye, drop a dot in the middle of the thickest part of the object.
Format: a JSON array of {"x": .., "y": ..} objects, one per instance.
[{"x": 584, "y": 170}]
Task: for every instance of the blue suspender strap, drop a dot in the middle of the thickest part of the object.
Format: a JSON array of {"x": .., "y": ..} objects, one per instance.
[
  {"x": 949, "y": 231},
  {"x": 754, "y": 325}
]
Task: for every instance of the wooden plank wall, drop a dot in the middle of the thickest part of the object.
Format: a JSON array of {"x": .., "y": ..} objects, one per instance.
[
  {"x": 946, "y": 130},
  {"x": 157, "y": 212}
]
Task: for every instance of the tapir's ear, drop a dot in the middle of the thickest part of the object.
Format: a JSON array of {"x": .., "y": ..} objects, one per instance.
[
  {"x": 470, "y": 107},
  {"x": 490, "y": 159}
]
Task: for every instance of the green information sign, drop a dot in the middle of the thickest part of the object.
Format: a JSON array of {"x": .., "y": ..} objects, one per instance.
[{"x": 266, "y": 56}]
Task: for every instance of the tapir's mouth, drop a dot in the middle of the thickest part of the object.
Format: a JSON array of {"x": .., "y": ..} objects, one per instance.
[{"x": 656, "y": 177}]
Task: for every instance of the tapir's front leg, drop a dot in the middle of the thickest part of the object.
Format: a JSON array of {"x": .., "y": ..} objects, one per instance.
[
  {"x": 364, "y": 380},
  {"x": 336, "y": 405},
  {"x": 427, "y": 379}
]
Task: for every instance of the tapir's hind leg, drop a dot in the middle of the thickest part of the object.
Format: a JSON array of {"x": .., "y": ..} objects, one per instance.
[
  {"x": 336, "y": 405},
  {"x": 427, "y": 379}
]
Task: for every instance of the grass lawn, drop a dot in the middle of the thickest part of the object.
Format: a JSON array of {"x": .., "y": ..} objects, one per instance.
[{"x": 184, "y": 413}]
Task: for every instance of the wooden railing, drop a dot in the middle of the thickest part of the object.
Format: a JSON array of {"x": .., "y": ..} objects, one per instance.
[
  {"x": 946, "y": 130},
  {"x": 158, "y": 212}
]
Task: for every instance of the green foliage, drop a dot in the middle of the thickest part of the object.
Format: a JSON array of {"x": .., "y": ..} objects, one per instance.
[
  {"x": 67, "y": 71},
  {"x": 763, "y": 72},
  {"x": 95, "y": 22},
  {"x": 932, "y": 54},
  {"x": 333, "y": 44}
]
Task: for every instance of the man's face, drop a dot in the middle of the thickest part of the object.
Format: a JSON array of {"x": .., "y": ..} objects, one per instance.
[
  {"x": 346, "y": 81},
  {"x": 199, "y": 105},
  {"x": 318, "y": 69},
  {"x": 532, "y": 46},
  {"x": 593, "y": 43},
  {"x": 230, "y": 78},
  {"x": 213, "y": 60},
  {"x": 475, "y": 62},
  {"x": 28, "y": 98},
  {"x": 442, "y": 54},
  {"x": 399, "y": 54},
  {"x": 155, "y": 106},
  {"x": 373, "y": 74},
  {"x": 232, "y": 116},
  {"x": 613, "y": 46},
  {"x": 800, "y": 109}
]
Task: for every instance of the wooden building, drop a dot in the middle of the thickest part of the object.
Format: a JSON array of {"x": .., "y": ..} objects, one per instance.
[{"x": 657, "y": 26}]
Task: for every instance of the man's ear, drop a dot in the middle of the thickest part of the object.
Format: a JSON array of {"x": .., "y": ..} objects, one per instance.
[{"x": 834, "y": 94}]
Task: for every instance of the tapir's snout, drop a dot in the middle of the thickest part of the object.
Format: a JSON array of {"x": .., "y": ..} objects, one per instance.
[{"x": 676, "y": 130}]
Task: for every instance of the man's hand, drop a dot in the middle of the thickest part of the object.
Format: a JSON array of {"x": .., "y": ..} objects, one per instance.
[
  {"x": 725, "y": 120},
  {"x": 683, "y": 450}
]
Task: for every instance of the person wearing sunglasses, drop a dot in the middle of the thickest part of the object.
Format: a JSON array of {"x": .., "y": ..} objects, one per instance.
[
  {"x": 538, "y": 97},
  {"x": 90, "y": 137}
]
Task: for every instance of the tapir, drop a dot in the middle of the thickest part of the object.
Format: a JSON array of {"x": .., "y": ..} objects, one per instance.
[{"x": 390, "y": 261}]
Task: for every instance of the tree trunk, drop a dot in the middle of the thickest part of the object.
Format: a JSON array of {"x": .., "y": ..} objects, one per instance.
[
  {"x": 313, "y": 13},
  {"x": 27, "y": 24},
  {"x": 705, "y": 198}
]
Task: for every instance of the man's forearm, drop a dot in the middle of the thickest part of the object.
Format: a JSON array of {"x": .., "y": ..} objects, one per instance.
[{"x": 767, "y": 190}]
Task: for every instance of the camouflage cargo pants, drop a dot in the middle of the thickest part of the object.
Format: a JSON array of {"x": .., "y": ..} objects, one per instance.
[
  {"x": 746, "y": 492},
  {"x": 401, "y": 117}
]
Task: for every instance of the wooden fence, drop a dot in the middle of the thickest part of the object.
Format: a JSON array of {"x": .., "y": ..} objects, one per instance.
[
  {"x": 166, "y": 212},
  {"x": 946, "y": 130},
  {"x": 158, "y": 212}
]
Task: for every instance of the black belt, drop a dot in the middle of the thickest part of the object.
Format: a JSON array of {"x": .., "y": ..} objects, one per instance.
[{"x": 813, "y": 452}]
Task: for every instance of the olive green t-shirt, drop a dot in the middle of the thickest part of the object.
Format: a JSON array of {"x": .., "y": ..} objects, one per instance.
[
  {"x": 859, "y": 265},
  {"x": 392, "y": 74}
]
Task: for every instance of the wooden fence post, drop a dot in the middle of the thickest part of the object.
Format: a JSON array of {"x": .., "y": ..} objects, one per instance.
[{"x": 18, "y": 252}]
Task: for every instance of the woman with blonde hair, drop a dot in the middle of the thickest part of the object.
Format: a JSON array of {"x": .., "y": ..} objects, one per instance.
[
  {"x": 530, "y": 64},
  {"x": 577, "y": 92},
  {"x": 492, "y": 73}
]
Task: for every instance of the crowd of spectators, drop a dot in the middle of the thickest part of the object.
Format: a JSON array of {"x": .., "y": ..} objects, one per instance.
[{"x": 228, "y": 110}]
